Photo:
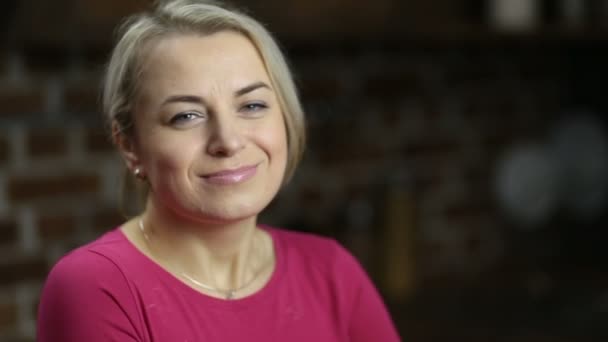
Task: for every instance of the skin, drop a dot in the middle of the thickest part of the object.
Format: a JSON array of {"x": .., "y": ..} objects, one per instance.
[{"x": 206, "y": 105}]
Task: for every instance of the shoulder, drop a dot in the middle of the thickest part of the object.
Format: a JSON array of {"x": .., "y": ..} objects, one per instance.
[
  {"x": 335, "y": 276},
  {"x": 302, "y": 239},
  {"x": 88, "y": 286},
  {"x": 89, "y": 266},
  {"x": 309, "y": 244},
  {"x": 323, "y": 253}
]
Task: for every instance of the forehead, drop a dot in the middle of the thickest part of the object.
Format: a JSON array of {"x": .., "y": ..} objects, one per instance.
[{"x": 226, "y": 59}]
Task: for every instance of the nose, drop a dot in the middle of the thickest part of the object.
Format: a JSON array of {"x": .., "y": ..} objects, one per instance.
[{"x": 225, "y": 138}]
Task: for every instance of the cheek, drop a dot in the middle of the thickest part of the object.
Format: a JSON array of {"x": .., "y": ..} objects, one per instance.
[
  {"x": 167, "y": 158},
  {"x": 275, "y": 141}
]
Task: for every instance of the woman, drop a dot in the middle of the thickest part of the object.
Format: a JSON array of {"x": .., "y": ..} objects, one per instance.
[{"x": 204, "y": 112}]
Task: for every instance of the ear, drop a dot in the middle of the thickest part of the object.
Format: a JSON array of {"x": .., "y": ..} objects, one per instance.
[{"x": 126, "y": 146}]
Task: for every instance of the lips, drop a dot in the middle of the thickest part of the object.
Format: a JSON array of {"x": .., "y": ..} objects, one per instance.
[{"x": 232, "y": 176}]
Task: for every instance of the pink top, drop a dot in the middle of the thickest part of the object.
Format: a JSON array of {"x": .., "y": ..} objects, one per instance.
[{"x": 109, "y": 291}]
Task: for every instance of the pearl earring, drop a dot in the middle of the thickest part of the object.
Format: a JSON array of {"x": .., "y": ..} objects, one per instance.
[{"x": 138, "y": 173}]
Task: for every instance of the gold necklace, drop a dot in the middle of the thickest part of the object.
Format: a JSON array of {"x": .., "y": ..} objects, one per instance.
[{"x": 227, "y": 293}]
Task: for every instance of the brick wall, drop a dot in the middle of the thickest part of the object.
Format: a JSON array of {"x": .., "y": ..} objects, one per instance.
[
  {"x": 58, "y": 179},
  {"x": 404, "y": 139}
]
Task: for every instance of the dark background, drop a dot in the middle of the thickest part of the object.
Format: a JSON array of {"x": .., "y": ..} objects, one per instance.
[{"x": 414, "y": 108}]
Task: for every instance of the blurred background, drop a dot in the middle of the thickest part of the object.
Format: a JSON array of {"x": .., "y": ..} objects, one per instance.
[{"x": 457, "y": 147}]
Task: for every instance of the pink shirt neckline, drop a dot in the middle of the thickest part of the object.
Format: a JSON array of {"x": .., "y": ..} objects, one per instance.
[{"x": 263, "y": 295}]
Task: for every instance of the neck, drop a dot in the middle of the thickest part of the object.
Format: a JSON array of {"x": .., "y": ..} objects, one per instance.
[{"x": 224, "y": 255}]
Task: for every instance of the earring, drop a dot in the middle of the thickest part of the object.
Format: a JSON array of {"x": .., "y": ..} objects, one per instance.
[{"x": 138, "y": 173}]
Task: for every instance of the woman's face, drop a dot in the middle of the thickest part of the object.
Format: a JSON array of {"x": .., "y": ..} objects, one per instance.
[{"x": 210, "y": 135}]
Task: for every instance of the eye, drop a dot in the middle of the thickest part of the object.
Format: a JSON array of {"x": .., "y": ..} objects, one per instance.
[
  {"x": 253, "y": 107},
  {"x": 184, "y": 118}
]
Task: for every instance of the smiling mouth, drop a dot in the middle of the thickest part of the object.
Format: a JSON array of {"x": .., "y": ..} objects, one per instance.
[{"x": 234, "y": 176}]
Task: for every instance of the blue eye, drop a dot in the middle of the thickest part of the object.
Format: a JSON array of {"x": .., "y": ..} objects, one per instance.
[
  {"x": 184, "y": 118},
  {"x": 254, "y": 107}
]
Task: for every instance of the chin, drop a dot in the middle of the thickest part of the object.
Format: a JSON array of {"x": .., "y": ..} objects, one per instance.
[
  {"x": 225, "y": 218},
  {"x": 224, "y": 215},
  {"x": 237, "y": 207},
  {"x": 219, "y": 207}
]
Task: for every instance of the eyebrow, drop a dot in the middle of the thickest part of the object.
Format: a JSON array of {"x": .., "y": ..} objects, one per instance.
[
  {"x": 250, "y": 88},
  {"x": 184, "y": 98},
  {"x": 200, "y": 100}
]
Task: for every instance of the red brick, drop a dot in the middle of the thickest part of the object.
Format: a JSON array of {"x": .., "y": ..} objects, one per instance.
[
  {"x": 16, "y": 101},
  {"x": 82, "y": 98},
  {"x": 22, "y": 188},
  {"x": 44, "y": 143},
  {"x": 8, "y": 230},
  {"x": 55, "y": 23},
  {"x": 106, "y": 219},
  {"x": 332, "y": 19},
  {"x": 98, "y": 141},
  {"x": 22, "y": 268},
  {"x": 56, "y": 227},
  {"x": 4, "y": 149},
  {"x": 100, "y": 17},
  {"x": 8, "y": 315}
]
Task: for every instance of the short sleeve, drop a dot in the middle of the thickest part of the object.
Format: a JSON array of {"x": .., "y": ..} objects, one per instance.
[
  {"x": 368, "y": 318},
  {"x": 87, "y": 298}
]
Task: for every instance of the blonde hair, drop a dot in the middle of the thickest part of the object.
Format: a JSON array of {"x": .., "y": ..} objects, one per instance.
[{"x": 196, "y": 17}]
